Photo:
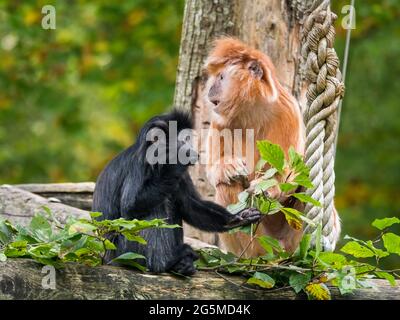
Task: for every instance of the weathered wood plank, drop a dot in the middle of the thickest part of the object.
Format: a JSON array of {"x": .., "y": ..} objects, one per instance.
[
  {"x": 78, "y": 195},
  {"x": 69, "y": 187},
  {"x": 22, "y": 279},
  {"x": 19, "y": 206}
]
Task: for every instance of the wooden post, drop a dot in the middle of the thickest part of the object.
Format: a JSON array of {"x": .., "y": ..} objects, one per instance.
[{"x": 271, "y": 26}]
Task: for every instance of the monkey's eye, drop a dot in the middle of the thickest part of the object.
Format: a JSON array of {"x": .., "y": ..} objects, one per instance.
[{"x": 221, "y": 76}]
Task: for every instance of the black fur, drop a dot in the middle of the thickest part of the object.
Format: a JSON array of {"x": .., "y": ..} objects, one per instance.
[{"x": 129, "y": 187}]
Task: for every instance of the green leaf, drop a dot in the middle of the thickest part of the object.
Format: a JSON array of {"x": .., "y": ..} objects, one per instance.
[
  {"x": 245, "y": 229},
  {"x": 378, "y": 252},
  {"x": 333, "y": 259},
  {"x": 318, "y": 241},
  {"x": 95, "y": 245},
  {"x": 269, "y": 244},
  {"x": 109, "y": 245},
  {"x": 18, "y": 244},
  {"x": 391, "y": 242},
  {"x": 236, "y": 207},
  {"x": 7, "y": 232},
  {"x": 263, "y": 204},
  {"x": 305, "y": 245},
  {"x": 40, "y": 228},
  {"x": 44, "y": 251},
  {"x": 364, "y": 268},
  {"x": 209, "y": 257},
  {"x": 387, "y": 276},
  {"x": 133, "y": 237},
  {"x": 293, "y": 156},
  {"x": 275, "y": 207},
  {"x": 296, "y": 162},
  {"x": 292, "y": 217},
  {"x": 318, "y": 291},
  {"x": 94, "y": 215},
  {"x": 303, "y": 180},
  {"x": 262, "y": 280},
  {"x": 357, "y": 250},
  {"x": 286, "y": 187},
  {"x": 168, "y": 226},
  {"x": 82, "y": 251},
  {"x": 272, "y": 153},
  {"x": 264, "y": 185},
  {"x": 243, "y": 196},
  {"x": 16, "y": 249},
  {"x": 137, "y": 225},
  {"x": 295, "y": 216},
  {"x": 3, "y": 257},
  {"x": 306, "y": 199},
  {"x": 299, "y": 281},
  {"x": 385, "y": 223},
  {"x": 128, "y": 258},
  {"x": 269, "y": 173},
  {"x": 81, "y": 227}
]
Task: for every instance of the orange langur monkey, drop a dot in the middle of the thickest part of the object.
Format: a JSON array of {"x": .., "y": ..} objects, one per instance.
[{"x": 243, "y": 92}]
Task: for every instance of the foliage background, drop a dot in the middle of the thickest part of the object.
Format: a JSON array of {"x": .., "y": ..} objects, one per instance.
[{"x": 73, "y": 97}]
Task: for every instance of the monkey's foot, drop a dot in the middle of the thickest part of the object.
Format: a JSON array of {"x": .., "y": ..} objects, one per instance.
[
  {"x": 185, "y": 265},
  {"x": 245, "y": 217},
  {"x": 230, "y": 170}
]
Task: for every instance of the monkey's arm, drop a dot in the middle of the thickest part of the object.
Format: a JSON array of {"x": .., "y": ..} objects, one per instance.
[{"x": 207, "y": 215}]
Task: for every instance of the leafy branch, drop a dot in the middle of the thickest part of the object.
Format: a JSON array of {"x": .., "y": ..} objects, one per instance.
[
  {"x": 307, "y": 269},
  {"x": 80, "y": 240},
  {"x": 277, "y": 179}
]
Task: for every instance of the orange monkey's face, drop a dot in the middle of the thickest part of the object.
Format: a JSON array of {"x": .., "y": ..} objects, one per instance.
[
  {"x": 230, "y": 86},
  {"x": 241, "y": 82}
]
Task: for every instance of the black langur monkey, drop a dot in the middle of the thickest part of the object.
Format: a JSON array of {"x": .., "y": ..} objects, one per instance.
[{"x": 132, "y": 187}]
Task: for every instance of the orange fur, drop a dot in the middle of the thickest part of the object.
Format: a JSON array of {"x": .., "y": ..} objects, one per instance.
[{"x": 248, "y": 102}]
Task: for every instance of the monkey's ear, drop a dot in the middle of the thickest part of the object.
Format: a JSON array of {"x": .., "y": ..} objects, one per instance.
[
  {"x": 160, "y": 124},
  {"x": 256, "y": 69},
  {"x": 158, "y": 129}
]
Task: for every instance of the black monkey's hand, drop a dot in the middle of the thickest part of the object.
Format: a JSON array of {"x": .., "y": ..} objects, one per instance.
[{"x": 245, "y": 217}]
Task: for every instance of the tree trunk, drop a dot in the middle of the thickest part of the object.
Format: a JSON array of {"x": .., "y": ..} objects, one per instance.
[
  {"x": 23, "y": 279},
  {"x": 271, "y": 26}
]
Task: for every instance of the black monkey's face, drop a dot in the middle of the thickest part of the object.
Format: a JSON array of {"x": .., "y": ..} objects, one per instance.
[{"x": 170, "y": 144}]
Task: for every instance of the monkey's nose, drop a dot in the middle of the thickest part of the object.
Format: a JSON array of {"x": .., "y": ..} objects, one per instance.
[{"x": 215, "y": 102}]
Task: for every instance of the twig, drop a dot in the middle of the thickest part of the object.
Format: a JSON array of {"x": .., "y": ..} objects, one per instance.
[
  {"x": 237, "y": 284},
  {"x": 251, "y": 240}
]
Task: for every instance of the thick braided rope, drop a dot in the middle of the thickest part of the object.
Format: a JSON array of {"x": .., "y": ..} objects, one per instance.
[{"x": 323, "y": 95}]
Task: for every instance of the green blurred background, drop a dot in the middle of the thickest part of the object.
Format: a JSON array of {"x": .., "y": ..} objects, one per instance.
[{"x": 73, "y": 97}]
